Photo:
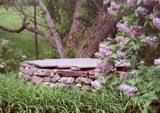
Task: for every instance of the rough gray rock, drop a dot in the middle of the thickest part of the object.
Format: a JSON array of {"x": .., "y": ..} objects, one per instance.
[
  {"x": 63, "y": 85},
  {"x": 66, "y": 80},
  {"x": 86, "y": 88},
  {"x": 42, "y": 72},
  {"x": 78, "y": 85},
  {"x": 36, "y": 80},
  {"x": 55, "y": 78},
  {"x": 46, "y": 79},
  {"x": 83, "y": 80},
  {"x": 123, "y": 63},
  {"x": 27, "y": 77}
]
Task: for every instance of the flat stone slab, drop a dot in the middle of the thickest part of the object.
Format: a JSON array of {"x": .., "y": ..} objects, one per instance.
[
  {"x": 65, "y": 63},
  {"x": 70, "y": 73}
]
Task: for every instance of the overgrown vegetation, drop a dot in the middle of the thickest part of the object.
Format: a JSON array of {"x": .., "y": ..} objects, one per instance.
[
  {"x": 148, "y": 95},
  {"x": 16, "y": 96}
]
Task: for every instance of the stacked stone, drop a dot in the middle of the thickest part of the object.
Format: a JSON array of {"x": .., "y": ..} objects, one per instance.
[{"x": 83, "y": 79}]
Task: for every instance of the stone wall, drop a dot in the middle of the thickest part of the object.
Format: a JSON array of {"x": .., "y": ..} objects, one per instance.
[
  {"x": 83, "y": 79},
  {"x": 70, "y": 73}
]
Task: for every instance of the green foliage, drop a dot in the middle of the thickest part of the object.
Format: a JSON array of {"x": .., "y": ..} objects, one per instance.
[
  {"x": 62, "y": 12},
  {"x": 9, "y": 56},
  {"x": 71, "y": 53},
  {"x": 148, "y": 82},
  {"x": 21, "y": 44},
  {"x": 16, "y": 96}
]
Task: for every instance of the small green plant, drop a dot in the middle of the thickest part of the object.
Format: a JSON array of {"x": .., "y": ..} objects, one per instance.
[
  {"x": 148, "y": 82},
  {"x": 9, "y": 56}
]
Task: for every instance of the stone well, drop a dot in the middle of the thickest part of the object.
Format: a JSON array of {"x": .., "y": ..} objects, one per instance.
[{"x": 67, "y": 73}]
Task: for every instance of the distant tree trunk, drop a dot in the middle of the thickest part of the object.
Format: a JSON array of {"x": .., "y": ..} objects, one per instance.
[
  {"x": 79, "y": 23},
  {"x": 55, "y": 36},
  {"x": 75, "y": 27},
  {"x": 94, "y": 36},
  {"x": 36, "y": 35}
]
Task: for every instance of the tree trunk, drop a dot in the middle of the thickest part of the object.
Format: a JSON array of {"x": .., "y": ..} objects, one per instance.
[
  {"x": 75, "y": 27},
  {"x": 55, "y": 36},
  {"x": 80, "y": 22},
  {"x": 94, "y": 36}
]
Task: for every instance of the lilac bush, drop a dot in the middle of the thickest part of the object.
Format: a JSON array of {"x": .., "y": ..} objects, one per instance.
[
  {"x": 148, "y": 2},
  {"x": 131, "y": 3},
  {"x": 114, "y": 8},
  {"x": 157, "y": 61},
  {"x": 142, "y": 11},
  {"x": 137, "y": 38},
  {"x": 128, "y": 89},
  {"x": 123, "y": 28},
  {"x": 135, "y": 31},
  {"x": 151, "y": 40},
  {"x": 156, "y": 22}
]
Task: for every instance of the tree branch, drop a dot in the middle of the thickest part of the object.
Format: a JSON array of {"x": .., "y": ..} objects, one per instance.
[
  {"x": 56, "y": 38},
  {"x": 17, "y": 30}
]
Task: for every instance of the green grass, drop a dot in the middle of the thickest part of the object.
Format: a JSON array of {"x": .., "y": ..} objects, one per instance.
[
  {"x": 17, "y": 97},
  {"x": 23, "y": 41}
]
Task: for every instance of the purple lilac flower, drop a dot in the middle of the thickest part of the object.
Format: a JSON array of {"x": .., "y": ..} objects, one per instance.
[
  {"x": 97, "y": 71},
  {"x": 142, "y": 11},
  {"x": 131, "y": 3},
  {"x": 107, "y": 68},
  {"x": 147, "y": 2},
  {"x": 151, "y": 40},
  {"x": 129, "y": 89},
  {"x": 157, "y": 62},
  {"x": 156, "y": 22},
  {"x": 119, "y": 39},
  {"x": 135, "y": 31},
  {"x": 121, "y": 55},
  {"x": 114, "y": 8},
  {"x": 100, "y": 65},
  {"x": 104, "y": 50},
  {"x": 123, "y": 28},
  {"x": 103, "y": 66}
]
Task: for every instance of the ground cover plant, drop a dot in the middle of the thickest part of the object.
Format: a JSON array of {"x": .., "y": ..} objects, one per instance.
[{"x": 17, "y": 96}]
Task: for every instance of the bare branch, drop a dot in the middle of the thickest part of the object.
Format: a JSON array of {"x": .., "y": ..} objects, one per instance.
[
  {"x": 17, "y": 30},
  {"x": 55, "y": 34},
  {"x": 97, "y": 5},
  {"x": 25, "y": 26}
]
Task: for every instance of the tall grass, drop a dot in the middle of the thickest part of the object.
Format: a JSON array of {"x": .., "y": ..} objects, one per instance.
[{"x": 16, "y": 96}]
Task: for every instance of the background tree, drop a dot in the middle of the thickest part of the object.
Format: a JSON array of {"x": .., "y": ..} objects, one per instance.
[{"x": 76, "y": 26}]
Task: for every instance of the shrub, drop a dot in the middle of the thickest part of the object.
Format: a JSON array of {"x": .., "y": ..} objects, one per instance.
[{"x": 10, "y": 57}]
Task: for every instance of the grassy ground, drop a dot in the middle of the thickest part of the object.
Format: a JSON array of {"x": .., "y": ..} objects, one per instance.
[
  {"x": 17, "y": 97},
  {"x": 23, "y": 41}
]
